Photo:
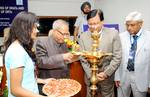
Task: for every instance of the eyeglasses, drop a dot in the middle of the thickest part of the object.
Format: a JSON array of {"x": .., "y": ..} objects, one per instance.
[{"x": 64, "y": 34}]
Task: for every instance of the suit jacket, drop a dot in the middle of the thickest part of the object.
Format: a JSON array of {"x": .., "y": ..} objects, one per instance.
[
  {"x": 142, "y": 60},
  {"x": 109, "y": 43},
  {"x": 50, "y": 59}
]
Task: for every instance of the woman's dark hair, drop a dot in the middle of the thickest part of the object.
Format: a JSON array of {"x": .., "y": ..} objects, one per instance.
[
  {"x": 94, "y": 12},
  {"x": 21, "y": 29},
  {"x": 84, "y": 4}
]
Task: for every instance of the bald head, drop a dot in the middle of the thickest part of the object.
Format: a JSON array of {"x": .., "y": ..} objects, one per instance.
[
  {"x": 59, "y": 23},
  {"x": 60, "y": 30}
]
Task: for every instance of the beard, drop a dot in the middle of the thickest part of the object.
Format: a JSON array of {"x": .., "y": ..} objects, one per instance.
[{"x": 85, "y": 12}]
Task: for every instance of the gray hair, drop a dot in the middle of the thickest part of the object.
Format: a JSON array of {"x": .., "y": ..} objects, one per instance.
[
  {"x": 59, "y": 23},
  {"x": 134, "y": 16}
]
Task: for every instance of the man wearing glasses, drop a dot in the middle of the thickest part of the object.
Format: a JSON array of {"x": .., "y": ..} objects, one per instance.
[{"x": 52, "y": 52}]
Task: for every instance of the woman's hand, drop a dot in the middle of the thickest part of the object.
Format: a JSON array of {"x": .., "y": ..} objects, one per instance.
[{"x": 44, "y": 81}]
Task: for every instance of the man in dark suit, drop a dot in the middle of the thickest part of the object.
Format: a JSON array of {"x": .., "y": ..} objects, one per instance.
[
  {"x": 109, "y": 42},
  {"x": 52, "y": 52}
]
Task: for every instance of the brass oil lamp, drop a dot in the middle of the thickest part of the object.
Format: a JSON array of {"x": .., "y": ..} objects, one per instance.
[{"x": 95, "y": 58}]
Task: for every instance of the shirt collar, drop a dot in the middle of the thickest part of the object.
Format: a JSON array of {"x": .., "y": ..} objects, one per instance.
[
  {"x": 101, "y": 30},
  {"x": 139, "y": 33}
]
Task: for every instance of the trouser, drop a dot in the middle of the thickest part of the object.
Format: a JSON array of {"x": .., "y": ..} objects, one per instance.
[
  {"x": 105, "y": 89},
  {"x": 129, "y": 84}
]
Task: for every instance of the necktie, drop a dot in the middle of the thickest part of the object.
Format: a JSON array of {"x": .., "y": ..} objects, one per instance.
[{"x": 132, "y": 53}]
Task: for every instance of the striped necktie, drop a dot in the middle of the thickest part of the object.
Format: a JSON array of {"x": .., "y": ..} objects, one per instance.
[{"x": 132, "y": 53}]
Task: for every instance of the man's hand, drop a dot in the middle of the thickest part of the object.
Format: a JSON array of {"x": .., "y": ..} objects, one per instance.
[
  {"x": 69, "y": 57},
  {"x": 101, "y": 76},
  {"x": 117, "y": 83}
]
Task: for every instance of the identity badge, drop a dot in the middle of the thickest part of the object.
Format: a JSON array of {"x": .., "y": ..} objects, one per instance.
[
  {"x": 85, "y": 27},
  {"x": 19, "y": 2}
]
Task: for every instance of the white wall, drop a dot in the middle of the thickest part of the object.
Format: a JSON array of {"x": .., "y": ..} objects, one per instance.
[
  {"x": 115, "y": 11},
  {"x": 56, "y": 7}
]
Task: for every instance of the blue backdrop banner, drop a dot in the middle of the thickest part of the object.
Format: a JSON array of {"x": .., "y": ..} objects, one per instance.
[
  {"x": 8, "y": 10},
  {"x": 114, "y": 26}
]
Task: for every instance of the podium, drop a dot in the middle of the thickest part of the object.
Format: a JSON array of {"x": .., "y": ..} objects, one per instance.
[
  {"x": 77, "y": 73},
  {"x": 3, "y": 81},
  {"x": 3, "y": 76}
]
